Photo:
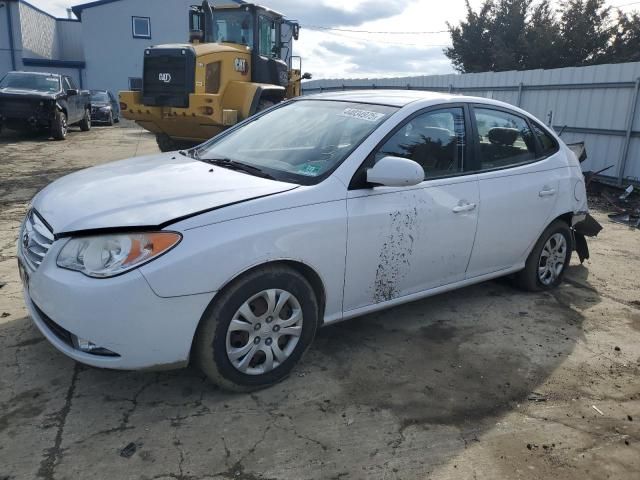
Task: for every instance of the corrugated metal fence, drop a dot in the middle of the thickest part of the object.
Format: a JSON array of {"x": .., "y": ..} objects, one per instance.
[{"x": 596, "y": 104}]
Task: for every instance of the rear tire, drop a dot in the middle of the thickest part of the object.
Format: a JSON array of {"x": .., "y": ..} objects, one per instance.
[
  {"x": 244, "y": 341},
  {"x": 549, "y": 259},
  {"x": 59, "y": 127},
  {"x": 85, "y": 123}
]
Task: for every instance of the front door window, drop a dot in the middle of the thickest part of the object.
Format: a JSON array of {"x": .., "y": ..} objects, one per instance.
[{"x": 435, "y": 140}]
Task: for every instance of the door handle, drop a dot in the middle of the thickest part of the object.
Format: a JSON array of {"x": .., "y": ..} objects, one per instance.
[
  {"x": 467, "y": 207},
  {"x": 547, "y": 192}
]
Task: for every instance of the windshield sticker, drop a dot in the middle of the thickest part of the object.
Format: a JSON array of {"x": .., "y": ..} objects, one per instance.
[
  {"x": 309, "y": 170},
  {"x": 366, "y": 115}
]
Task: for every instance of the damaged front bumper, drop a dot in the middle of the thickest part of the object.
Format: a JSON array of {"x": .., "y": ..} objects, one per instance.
[{"x": 583, "y": 225}]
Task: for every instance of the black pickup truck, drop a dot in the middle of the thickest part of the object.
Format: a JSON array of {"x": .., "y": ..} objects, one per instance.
[{"x": 46, "y": 102}]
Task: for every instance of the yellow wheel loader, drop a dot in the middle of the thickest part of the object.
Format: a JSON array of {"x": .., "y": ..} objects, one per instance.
[{"x": 231, "y": 68}]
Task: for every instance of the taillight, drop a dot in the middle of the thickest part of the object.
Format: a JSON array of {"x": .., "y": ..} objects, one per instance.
[{"x": 123, "y": 106}]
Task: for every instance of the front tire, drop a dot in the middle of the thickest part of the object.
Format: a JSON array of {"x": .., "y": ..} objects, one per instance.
[
  {"x": 257, "y": 330},
  {"x": 59, "y": 127},
  {"x": 549, "y": 259},
  {"x": 85, "y": 123}
]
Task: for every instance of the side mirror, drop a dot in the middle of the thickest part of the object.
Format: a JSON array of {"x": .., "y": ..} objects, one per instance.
[
  {"x": 72, "y": 91},
  {"x": 395, "y": 172},
  {"x": 306, "y": 76}
]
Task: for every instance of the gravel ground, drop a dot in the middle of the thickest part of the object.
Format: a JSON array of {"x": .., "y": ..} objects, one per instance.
[{"x": 485, "y": 382}]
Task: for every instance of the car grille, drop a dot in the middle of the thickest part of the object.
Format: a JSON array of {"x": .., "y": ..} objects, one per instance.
[
  {"x": 168, "y": 77},
  {"x": 35, "y": 240},
  {"x": 19, "y": 108}
]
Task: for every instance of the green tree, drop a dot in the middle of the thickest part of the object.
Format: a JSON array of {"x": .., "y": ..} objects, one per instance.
[
  {"x": 585, "y": 28},
  {"x": 528, "y": 34},
  {"x": 543, "y": 39},
  {"x": 509, "y": 29},
  {"x": 625, "y": 46},
  {"x": 472, "y": 40}
]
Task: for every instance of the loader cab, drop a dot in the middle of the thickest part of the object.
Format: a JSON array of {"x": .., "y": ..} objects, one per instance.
[{"x": 256, "y": 27}]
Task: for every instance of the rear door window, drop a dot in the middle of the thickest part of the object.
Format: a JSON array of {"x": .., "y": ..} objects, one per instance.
[{"x": 505, "y": 139}]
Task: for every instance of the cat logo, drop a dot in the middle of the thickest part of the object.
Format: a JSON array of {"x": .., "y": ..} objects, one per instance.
[
  {"x": 240, "y": 65},
  {"x": 164, "y": 77}
]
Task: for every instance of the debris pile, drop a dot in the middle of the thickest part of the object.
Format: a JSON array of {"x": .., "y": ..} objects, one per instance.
[{"x": 626, "y": 206}]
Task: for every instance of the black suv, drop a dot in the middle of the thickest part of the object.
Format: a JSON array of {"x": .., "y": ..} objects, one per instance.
[{"x": 43, "y": 102}]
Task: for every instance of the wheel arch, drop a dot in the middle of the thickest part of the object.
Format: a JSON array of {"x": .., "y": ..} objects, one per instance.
[
  {"x": 302, "y": 268},
  {"x": 309, "y": 273},
  {"x": 565, "y": 217},
  {"x": 267, "y": 92},
  {"x": 62, "y": 108}
]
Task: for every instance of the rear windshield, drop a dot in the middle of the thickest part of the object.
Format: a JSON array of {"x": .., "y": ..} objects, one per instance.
[
  {"x": 26, "y": 81},
  {"x": 302, "y": 141}
]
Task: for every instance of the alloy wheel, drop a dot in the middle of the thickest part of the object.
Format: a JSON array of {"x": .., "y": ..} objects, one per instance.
[
  {"x": 264, "y": 331},
  {"x": 552, "y": 259}
]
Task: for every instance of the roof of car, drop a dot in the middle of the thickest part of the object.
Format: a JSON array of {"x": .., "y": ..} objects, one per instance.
[
  {"x": 43, "y": 74},
  {"x": 396, "y": 98},
  {"x": 401, "y": 98}
]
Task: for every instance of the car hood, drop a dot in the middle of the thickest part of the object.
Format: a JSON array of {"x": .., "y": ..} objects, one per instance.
[
  {"x": 145, "y": 192},
  {"x": 18, "y": 93}
]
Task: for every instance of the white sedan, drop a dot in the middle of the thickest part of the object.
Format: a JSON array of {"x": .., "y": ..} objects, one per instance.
[{"x": 232, "y": 254}]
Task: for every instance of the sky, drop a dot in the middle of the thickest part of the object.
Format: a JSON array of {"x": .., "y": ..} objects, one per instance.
[{"x": 346, "y": 54}]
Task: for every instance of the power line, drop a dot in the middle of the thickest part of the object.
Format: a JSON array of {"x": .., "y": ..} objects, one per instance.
[
  {"x": 376, "y": 32},
  {"x": 319, "y": 27},
  {"x": 625, "y": 4},
  {"x": 362, "y": 40}
]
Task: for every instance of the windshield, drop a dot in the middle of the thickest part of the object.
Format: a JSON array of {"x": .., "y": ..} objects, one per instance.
[
  {"x": 28, "y": 81},
  {"x": 234, "y": 26},
  {"x": 301, "y": 141},
  {"x": 99, "y": 97}
]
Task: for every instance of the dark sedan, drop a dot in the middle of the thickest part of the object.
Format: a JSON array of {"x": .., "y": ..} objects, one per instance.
[{"x": 104, "y": 107}]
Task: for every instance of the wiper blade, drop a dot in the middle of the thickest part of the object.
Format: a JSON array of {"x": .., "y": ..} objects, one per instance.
[
  {"x": 239, "y": 166},
  {"x": 191, "y": 153}
]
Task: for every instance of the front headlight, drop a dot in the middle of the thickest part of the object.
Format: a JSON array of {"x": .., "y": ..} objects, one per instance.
[
  {"x": 109, "y": 255},
  {"x": 105, "y": 109}
]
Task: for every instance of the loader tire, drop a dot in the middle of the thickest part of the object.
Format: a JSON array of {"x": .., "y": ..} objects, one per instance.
[{"x": 166, "y": 143}]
